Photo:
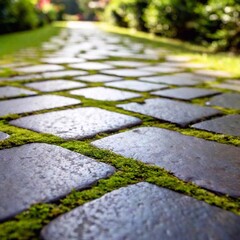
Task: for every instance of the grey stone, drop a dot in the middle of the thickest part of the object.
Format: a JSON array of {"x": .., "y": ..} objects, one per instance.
[
  {"x": 77, "y": 123},
  {"x": 226, "y": 100},
  {"x": 184, "y": 65},
  {"x": 92, "y": 56},
  {"x": 31, "y": 104},
  {"x": 171, "y": 111},
  {"x": 62, "y": 74},
  {"x": 3, "y": 136},
  {"x": 177, "y": 58},
  {"x": 208, "y": 164},
  {"x": 213, "y": 73},
  {"x": 227, "y": 125},
  {"x": 22, "y": 78},
  {"x": 41, "y": 172},
  {"x": 127, "y": 63},
  {"x": 14, "y": 92},
  {"x": 228, "y": 85},
  {"x": 144, "y": 212},
  {"x": 91, "y": 66},
  {"x": 161, "y": 69},
  {"x": 105, "y": 94},
  {"x": 55, "y": 85},
  {"x": 40, "y": 68},
  {"x": 128, "y": 72},
  {"x": 62, "y": 60},
  {"x": 136, "y": 85},
  {"x": 98, "y": 78},
  {"x": 185, "y": 93},
  {"x": 180, "y": 79}
]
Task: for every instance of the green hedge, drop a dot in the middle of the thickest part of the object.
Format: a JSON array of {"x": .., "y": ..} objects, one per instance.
[
  {"x": 19, "y": 15},
  {"x": 203, "y": 21}
]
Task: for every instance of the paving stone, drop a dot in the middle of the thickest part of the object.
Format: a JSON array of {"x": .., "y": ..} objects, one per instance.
[
  {"x": 209, "y": 164},
  {"x": 105, "y": 94},
  {"x": 3, "y": 136},
  {"x": 55, "y": 85},
  {"x": 127, "y": 63},
  {"x": 92, "y": 56},
  {"x": 41, "y": 172},
  {"x": 161, "y": 69},
  {"x": 171, "y": 80},
  {"x": 22, "y": 78},
  {"x": 144, "y": 211},
  {"x": 185, "y": 93},
  {"x": 62, "y": 74},
  {"x": 31, "y": 104},
  {"x": 176, "y": 58},
  {"x": 98, "y": 78},
  {"x": 136, "y": 85},
  {"x": 14, "y": 92},
  {"x": 185, "y": 65},
  {"x": 231, "y": 85},
  {"x": 171, "y": 111},
  {"x": 227, "y": 125},
  {"x": 40, "y": 68},
  {"x": 91, "y": 66},
  {"x": 127, "y": 72},
  {"x": 226, "y": 100},
  {"x": 213, "y": 73},
  {"x": 77, "y": 123},
  {"x": 62, "y": 60}
]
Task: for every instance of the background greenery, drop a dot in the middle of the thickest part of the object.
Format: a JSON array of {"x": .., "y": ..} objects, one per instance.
[{"x": 201, "y": 21}]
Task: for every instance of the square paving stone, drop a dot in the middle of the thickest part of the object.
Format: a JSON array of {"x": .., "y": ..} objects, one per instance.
[
  {"x": 77, "y": 123},
  {"x": 213, "y": 73},
  {"x": 98, "y": 78},
  {"x": 55, "y": 85},
  {"x": 62, "y": 60},
  {"x": 127, "y": 63},
  {"x": 226, "y": 100},
  {"x": 40, "y": 68},
  {"x": 62, "y": 74},
  {"x": 31, "y": 104},
  {"x": 105, "y": 94},
  {"x": 3, "y": 136},
  {"x": 136, "y": 85},
  {"x": 91, "y": 66},
  {"x": 128, "y": 72},
  {"x": 208, "y": 164},
  {"x": 14, "y": 92},
  {"x": 180, "y": 79},
  {"x": 171, "y": 110},
  {"x": 227, "y": 125},
  {"x": 144, "y": 212},
  {"x": 161, "y": 69},
  {"x": 41, "y": 172},
  {"x": 230, "y": 84},
  {"x": 185, "y": 93}
]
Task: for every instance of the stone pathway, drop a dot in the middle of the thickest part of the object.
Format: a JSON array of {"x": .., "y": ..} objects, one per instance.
[{"x": 98, "y": 142}]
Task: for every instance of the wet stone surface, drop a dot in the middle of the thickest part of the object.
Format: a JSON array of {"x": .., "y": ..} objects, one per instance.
[
  {"x": 227, "y": 125},
  {"x": 77, "y": 123},
  {"x": 171, "y": 111},
  {"x": 55, "y": 85},
  {"x": 30, "y": 104},
  {"x": 105, "y": 94},
  {"x": 40, "y": 172},
  {"x": 3, "y": 136},
  {"x": 128, "y": 72},
  {"x": 186, "y": 157},
  {"x": 136, "y": 85},
  {"x": 157, "y": 214},
  {"x": 14, "y": 92},
  {"x": 185, "y": 93},
  {"x": 226, "y": 100},
  {"x": 40, "y": 68},
  {"x": 98, "y": 78},
  {"x": 91, "y": 66}
]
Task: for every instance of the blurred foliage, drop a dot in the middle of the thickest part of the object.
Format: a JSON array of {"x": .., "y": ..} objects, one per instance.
[
  {"x": 19, "y": 15},
  {"x": 208, "y": 22}
]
